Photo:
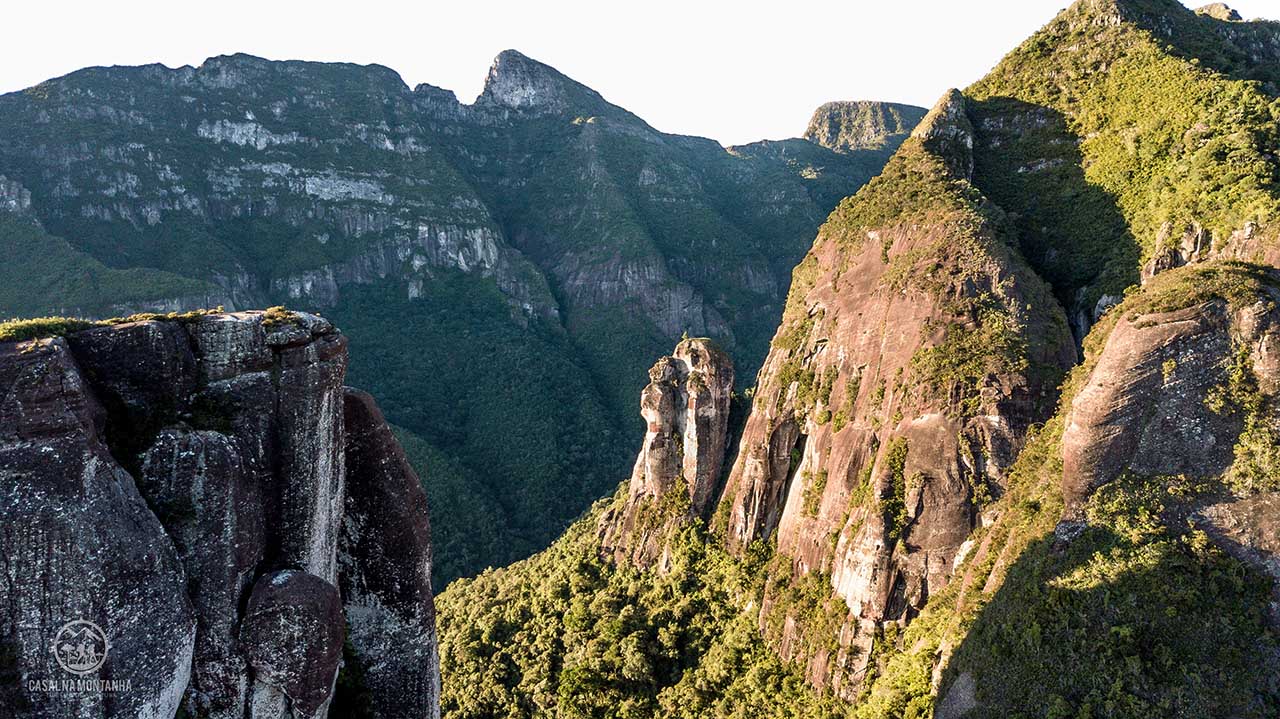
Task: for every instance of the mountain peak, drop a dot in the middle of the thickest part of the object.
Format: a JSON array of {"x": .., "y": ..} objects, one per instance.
[
  {"x": 851, "y": 125},
  {"x": 947, "y": 132},
  {"x": 518, "y": 82}
]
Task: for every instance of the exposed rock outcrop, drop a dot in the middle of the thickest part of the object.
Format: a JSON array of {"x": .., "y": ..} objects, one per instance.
[
  {"x": 947, "y": 133},
  {"x": 1185, "y": 385},
  {"x": 915, "y": 352},
  {"x": 686, "y": 412},
  {"x": 292, "y": 635},
  {"x": 1220, "y": 11},
  {"x": 214, "y": 513},
  {"x": 14, "y": 198},
  {"x": 1160, "y": 399},
  {"x": 202, "y": 532},
  {"x": 79, "y": 544},
  {"x": 517, "y": 82}
]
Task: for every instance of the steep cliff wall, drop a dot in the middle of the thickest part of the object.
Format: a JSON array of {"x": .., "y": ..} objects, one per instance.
[
  {"x": 915, "y": 352},
  {"x": 910, "y": 524},
  {"x": 1135, "y": 553},
  {"x": 198, "y": 488}
]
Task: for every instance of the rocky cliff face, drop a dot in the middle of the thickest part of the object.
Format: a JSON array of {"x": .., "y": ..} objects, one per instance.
[
  {"x": 917, "y": 529},
  {"x": 915, "y": 352},
  {"x": 220, "y": 486},
  {"x": 686, "y": 412},
  {"x": 1157, "y": 477},
  {"x": 1185, "y": 385}
]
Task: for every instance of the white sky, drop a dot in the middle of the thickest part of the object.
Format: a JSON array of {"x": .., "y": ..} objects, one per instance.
[{"x": 733, "y": 71}]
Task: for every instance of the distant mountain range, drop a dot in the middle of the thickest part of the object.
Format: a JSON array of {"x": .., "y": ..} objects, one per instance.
[{"x": 506, "y": 270}]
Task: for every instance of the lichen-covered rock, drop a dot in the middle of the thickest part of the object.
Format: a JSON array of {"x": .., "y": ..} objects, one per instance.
[
  {"x": 292, "y": 637},
  {"x": 686, "y": 412},
  {"x": 233, "y": 426},
  {"x": 211, "y": 506},
  {"x": 385, "y": 569},
  {"x": 79, "y": 543},
  {"x": 947, "y": 132}
]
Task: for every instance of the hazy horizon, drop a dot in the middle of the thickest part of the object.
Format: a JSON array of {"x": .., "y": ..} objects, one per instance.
[{"x": 685, "y": 68}]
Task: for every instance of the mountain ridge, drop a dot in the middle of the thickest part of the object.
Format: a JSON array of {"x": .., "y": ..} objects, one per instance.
[
  {"x": 566, "y": 244},
  {"x": 1058, "y": 545}
]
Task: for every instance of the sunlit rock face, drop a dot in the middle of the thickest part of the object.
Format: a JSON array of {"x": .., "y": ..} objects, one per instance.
[
  {"x": 866, "y": 456},
  {"x": 1189, "y": 392},
  {"x": 179, "y": 467},
  {"x": 686, "y": 413}
]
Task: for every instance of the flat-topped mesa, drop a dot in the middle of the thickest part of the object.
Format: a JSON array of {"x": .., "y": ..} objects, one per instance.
[
  {"x": 1220, "y": 11},
  {"x": 216, "y": 468},
  {"x": 686, "y": 411},
  {"x": 852, "y": 125}
]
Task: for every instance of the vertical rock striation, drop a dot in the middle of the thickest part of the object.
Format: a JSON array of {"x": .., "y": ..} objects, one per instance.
[
  {"x": 203, "y": 526},
  {"x": 686, "y": 413},
  {"x": 385, "y": 568}
]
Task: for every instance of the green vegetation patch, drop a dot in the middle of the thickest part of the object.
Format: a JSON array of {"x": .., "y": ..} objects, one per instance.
[
  {"x": 1114, "y": 141},
  {"x": 894, "y": 505},
  {"x": 1256, "y": 467},
  {"x": 42, "y": 327},
  {"x": 568, "y": 634}
]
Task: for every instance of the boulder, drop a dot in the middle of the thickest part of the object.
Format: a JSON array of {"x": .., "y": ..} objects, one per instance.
[
  {"x": 292, "y": 637},
  {"x": 385, "y": 569}
]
